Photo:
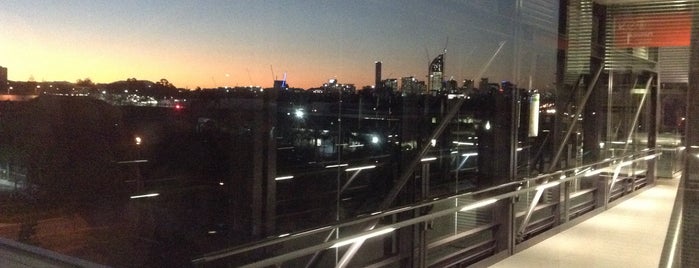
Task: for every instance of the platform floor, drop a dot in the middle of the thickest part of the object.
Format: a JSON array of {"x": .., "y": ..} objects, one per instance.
[{"x": 630, "y": 234}]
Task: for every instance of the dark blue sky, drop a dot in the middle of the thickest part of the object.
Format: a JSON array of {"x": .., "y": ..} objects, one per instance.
[{"x": 228, "y": 43}]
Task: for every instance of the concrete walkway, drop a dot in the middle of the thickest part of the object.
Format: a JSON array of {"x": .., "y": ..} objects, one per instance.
[{"x": 630, "y": 234}]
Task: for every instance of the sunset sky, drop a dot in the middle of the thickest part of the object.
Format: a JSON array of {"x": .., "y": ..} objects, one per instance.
[{"x": 229, "y": 43}]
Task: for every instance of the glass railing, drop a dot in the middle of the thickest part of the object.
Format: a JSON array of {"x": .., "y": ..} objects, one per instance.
[
  {"x": 679, "y": 248},
  {"x": 462, "y": 228}
]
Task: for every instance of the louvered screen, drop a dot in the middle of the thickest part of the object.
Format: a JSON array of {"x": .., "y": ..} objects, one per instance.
[
  {"x": 673, "y": 64},
  {"x": 649, "y": 36},
  {"x": 579, "y": 40}
]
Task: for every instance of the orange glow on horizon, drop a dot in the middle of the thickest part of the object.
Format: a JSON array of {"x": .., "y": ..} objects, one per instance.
[
  {"x": 45, "y": 59},
  {"x": 205, "y": 73}
]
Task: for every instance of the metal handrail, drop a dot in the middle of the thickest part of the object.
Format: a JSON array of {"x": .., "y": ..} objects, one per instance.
[
  {"x": 635, "y": 157},
  {"x": 671, "y": 256}
]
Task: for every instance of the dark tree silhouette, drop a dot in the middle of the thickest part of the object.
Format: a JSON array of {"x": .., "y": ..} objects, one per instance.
[{"x": 87, "y": 82}]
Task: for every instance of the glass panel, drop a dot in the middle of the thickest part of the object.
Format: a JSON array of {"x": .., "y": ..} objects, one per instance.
[{"x": 192, "y": 128}]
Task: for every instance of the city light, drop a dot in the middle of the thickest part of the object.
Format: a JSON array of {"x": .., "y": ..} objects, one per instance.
[
  {"x": 299, "y": 113},
  {"x": 144, "y": 196},
  {"x": 338, "y": 165},
  {"x": 283, "y": 178},
  {"x": 360, "y": 168},
  {"x": 138, "y": 140},
  {"x": 427, "y": 159},
  {"x": 375, "y": 139},
  {"x": 463, "y": 143}
]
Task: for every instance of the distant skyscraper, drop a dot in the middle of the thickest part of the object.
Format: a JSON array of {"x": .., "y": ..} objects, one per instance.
[
  {"x": 390, "y": 84},
  {"x": 332, "y": 86},
  {"x": 411, "y": 86},
  {"x": 3, "y": 79},
  {"x": 436, "y": 74},
  {"x": 281, "y": 85},
  {"x": 451, "y": 85},
  {"x": 468, "y": 84},
  {"x": 377, "y": 83}
]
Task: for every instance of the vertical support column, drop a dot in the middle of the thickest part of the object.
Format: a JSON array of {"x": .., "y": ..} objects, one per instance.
[
  {"x": 514, "y": 133},
  {"x": 504, "y": 213},
  {"x": 510, "y": 225},
  {"x": 610, "y": 112},
  {"x": 593, "y": 125},
  {"x": 690, "y": 228},
  {"x": 602, "y": 195},
  {"x": 422, "y": 231},
  {"x": 653, "y": 121},
  {"x": 509, "y": 222},
  {"x": 566, "y": 202},
  {"x": 263, "y": 185},
  {"x": 270, "y": 160},
  {"x": 405, "y": 238},
  {"x": 500, "y": 142},
  {"x": 258, "y": 183},
  {"x": 495, "y": 143},
  {"x": 559, "y": 210}
]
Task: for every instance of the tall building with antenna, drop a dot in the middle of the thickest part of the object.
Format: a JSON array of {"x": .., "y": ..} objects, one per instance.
[{"x": 435, "y": 74}]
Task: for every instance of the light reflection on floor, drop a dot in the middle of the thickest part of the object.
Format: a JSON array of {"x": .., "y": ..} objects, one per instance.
[{"x": 630, "y": 234}]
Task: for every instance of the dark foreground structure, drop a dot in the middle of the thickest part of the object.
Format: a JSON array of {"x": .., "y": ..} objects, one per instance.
[{"x": 440, "y": 176}]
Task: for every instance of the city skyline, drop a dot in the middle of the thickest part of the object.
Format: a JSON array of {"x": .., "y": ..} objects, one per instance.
[{"x": 216, "y": 44}]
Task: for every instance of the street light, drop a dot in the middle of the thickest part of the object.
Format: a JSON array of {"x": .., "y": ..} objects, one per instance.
[
  {"x": 138, "y": 140},
  {"x": 299, "y": 113}
]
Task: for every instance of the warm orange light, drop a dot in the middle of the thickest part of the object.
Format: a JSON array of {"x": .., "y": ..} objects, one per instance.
[{"x": 652, "y": 30}]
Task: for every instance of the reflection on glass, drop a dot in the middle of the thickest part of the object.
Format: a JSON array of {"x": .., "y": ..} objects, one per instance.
[{"x": 193, "y": 128}]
